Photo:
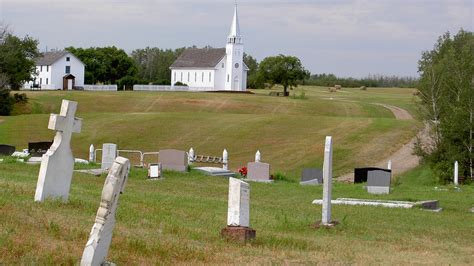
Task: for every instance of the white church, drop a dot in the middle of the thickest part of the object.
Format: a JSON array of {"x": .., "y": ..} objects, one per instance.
[{"x": 214, "y": 68}]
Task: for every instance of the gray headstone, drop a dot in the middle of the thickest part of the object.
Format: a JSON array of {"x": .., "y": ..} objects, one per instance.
[
  {"x": 175, "y": 160},
  {"x": 378, "y": 181},
  {"x": 215, "y": 171},
  {"x": 109, "y": 153},
  {"x": 37, "y": 149},
  {"x": 311, "y": 176},
  {"x": 100, "y": 237},
  {"x": 6, "y": 149},
  {"x": 57, "y": 165},
  {"x": 257, "y": 171}
]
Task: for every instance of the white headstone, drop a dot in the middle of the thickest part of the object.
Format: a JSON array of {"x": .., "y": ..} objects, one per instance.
[
  {"x": 327, "y": 181},
  {"x": 100, "y": 237},
  {"x": 57, "y": 165},
  {"x": 238, "y": 213},
  {"x": 456, "y": 173},
  {"x": 91, "y": 153},
  {"x": 191, "y": 156},
  {"x": 109, "y": 153},
  {"x": 225, "y": 160},
  {"x": 258, "y": 157},
  {"x": 154, "y": 170},
  {"x": 389, "y": 165}
]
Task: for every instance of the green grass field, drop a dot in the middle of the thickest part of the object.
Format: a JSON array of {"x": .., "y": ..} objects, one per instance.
[
  {"x": 178, "y": 220},
  {"x": 289, "y": 132}
]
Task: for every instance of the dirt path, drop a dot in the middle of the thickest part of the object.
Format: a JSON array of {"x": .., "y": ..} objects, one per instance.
[{"x": 403, "y": 159}]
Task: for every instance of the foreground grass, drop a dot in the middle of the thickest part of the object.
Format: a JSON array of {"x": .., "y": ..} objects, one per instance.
[
  {"x": 289, "y": 132},
  {"x": 178, "y": 220}
]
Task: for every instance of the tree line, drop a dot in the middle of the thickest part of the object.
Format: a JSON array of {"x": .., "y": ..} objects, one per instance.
[
  {"x": 374, "y": 80},
  {"x": 447, "y": 104}
]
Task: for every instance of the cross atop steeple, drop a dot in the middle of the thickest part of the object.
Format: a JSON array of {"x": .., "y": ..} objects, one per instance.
[{"x": 234, "y": 34}]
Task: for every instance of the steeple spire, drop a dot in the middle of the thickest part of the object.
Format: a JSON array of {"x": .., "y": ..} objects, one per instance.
[{"x": 234, "y": 34}]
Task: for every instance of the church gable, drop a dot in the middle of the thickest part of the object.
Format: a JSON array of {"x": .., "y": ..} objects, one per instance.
[{"x": 199, "y": 58}]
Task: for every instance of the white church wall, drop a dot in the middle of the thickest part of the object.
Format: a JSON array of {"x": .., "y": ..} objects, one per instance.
[
  {"x": 193, "y": 77},
  {"x": 59, "y": 70},
  {"x": 219, "y": 79}
]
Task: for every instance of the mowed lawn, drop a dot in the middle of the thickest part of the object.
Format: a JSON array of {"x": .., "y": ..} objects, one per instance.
[
  {"x": 178, "y": 220},
  {"x": 289, "y": 132}
]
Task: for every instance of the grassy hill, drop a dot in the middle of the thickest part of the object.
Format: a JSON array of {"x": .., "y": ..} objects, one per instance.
[
  {"x": 177, "y": 220},
  {"x": 289, "y": 132}
]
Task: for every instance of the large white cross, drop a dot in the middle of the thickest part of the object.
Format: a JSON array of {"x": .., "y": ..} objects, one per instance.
[
  {"x": 65, "y": 122},
  {"x": 57, "y": 165}
]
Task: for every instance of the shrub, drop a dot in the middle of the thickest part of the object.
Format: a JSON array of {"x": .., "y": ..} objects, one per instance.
[
  {"x": 128, "y": 82},
  {"x": 6, "y": 102},
  {"x": 20, "y": 98},
  {"x": 179, "y": 83},
  {"x": 162, "y": 82}
]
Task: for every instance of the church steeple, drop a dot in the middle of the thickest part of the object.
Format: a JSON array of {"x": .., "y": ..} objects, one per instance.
[{"x": 234, "y": 34}]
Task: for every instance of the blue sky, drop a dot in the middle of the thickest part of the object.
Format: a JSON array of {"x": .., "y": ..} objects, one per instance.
[{"x": 344, "y": 37}]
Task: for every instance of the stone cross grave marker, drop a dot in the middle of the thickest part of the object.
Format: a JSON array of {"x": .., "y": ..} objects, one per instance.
[
  {"x": 100, "y": 237},
  {"x": 57, "y": 165},
  {"x": 109, "y": 153},
  {"x": 378, "y": 181},
  {"x": 173, "y": 160},
  {"x": 327, "y": 187},
  {"x": 238, "y": 212}
]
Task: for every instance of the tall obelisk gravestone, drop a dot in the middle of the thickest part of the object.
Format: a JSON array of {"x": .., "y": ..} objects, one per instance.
[
  {"x": 57, "y": 165},
  {"x": 327, "y": 180}
]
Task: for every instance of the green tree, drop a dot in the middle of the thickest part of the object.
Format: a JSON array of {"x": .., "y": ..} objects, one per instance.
[
  {"x": 105, "y": 64},
  {"x": 254, "y": 80},
  {"x": 154, "y": 63},
  {"x": 447, "y": 102},
  {"x": 16, "y": 59},
  {"x": 284, "y": 70}
]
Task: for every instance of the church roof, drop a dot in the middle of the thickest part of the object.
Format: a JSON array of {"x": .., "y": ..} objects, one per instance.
[
  {"x": 235, "y": 27},
  {"x": 48, "y": 58},
  {"x": 199, "y": 58}
]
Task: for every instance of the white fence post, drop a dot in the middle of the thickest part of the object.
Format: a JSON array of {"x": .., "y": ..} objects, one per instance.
[
  {"x": 91, "y": 154},
  {"x": 225, "y": 160},
  {"x": 191, "y": 156}
]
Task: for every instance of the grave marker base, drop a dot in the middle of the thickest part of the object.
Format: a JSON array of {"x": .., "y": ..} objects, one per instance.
[
  {"x": 238, "y": 233},
  {"x": 319, "y": 224}
]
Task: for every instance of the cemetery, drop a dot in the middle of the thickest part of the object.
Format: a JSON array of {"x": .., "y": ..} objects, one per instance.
[{"x": 289, "y": 207}]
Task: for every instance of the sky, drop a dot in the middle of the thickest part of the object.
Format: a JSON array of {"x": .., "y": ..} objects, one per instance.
[{"x": 349, "y": 38}]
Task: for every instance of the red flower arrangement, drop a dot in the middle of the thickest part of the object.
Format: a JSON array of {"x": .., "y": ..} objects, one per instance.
[{"x": 243, "y": 171}]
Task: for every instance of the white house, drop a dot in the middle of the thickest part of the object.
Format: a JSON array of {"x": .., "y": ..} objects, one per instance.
[
  {"x": 214, "y": 68},
  {"x": 58, "y": 70}
]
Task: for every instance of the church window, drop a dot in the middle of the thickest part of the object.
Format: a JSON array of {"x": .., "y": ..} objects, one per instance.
[
  {"x": 47, "y": 68},
  {"x": 227, "y": 78},
  {"x": 47, "y": 81},
  {"x": 41, "y": 68},
  {"x": 189, "y": 74},
  {"x": 41, "y": 81},
  {"x": 210, "y": 74},
  {"x": 202, "y": 77},
  {"x": 68, "y": 69},
  {"x": 222, "y": 65},
  {"x": 195, "y": 76},
  {"x": 181, "y": 79},
  {"x": 68, "y": 59},
  {"x": 174, "y": 76},
  {"x": 236, "y": 65}
]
